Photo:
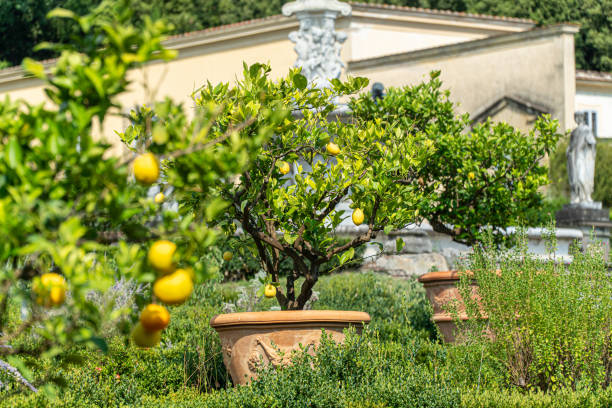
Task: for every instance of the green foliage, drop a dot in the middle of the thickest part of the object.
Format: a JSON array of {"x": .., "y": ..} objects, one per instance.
[
  {"x": 293, "y": 217},
  {"x": 602, "y": 190},
  {"x": 561, "y": 399},
  {"x": 245, "y": 263},
  {"x": 362, "y": 372},
  {"x": 549, "y": 324},
  {"x": 24, "y": 24},
  {"x": 456, "y": 179},
  {"x": 399, "y": 308},
  {"x": 489, "y": 175},
  {"x": 189, "y": 361},
  {"x": 67, "y": 206}
]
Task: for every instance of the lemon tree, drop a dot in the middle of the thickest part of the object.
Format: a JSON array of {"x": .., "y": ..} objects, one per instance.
[
  {"x": 75, "y": 218},
  {"x": 396, "y": 161}
]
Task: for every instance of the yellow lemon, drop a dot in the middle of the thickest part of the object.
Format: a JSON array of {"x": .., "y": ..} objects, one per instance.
[
  {"x": 144, "y": 338},
  {"x": 332, "y": 148},
  {"x": 471, "y": 175},
  {"x": 284, "y": 167},
  {"x": 146, "y": 169},
  {"x": 227, "y": 256},
  {"x": 50, "y": 289},
  {"x": 159, "y": 198},
  {"x": 175, "y": 288},
  {"x": 270, "y": 291},
  {"x": 154, "y": 317},
  {"x": 358, "y": 216},
  {"x": 160, "y": 255}
]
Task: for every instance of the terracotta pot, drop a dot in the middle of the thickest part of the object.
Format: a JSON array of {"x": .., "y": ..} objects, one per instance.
[
  {"x": 248, "y": 339},
  {"x": 441, "y": 288}
]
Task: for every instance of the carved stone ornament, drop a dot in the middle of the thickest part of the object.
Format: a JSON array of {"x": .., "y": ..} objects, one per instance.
[{"x": 317, "y": 43}]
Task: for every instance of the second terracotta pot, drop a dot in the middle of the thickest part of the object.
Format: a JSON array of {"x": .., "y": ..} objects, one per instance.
[
  {"x": 253, "y": 338},
  {"x": 441, "y": 288}
]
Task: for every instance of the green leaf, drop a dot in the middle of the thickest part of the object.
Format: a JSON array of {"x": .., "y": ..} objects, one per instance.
[
  {"x": 34, "y": 67},
  {"x": 13, "y": 154},
  {"x": 71, "y": 230},
  {"x": 20, "y": 365},
  {"x": 100, "y": 343},
  {"x": 254, "y": 69},
  {"x": 347, "y": 256},
  {"x": 61, "y": 13},
  {"x": 399, "y": 244},
  {"x": 388, "y": 229},
  {"x": 160, "y": 135},
  {"x": 300, "y": 81},
  {"x": 215, "y": 207},
  {"x": 96, "y": 80}
]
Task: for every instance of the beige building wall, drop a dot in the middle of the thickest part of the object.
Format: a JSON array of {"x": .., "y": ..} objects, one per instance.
[{"x": 532, "y": 66}]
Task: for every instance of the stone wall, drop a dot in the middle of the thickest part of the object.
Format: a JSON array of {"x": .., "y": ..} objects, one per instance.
[{"x": 426, "y": 250}]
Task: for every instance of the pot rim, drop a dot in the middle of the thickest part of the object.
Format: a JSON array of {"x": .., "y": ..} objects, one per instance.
[
  {"x": 288, "y": 317},
  {"x": 453, "y": 275}
]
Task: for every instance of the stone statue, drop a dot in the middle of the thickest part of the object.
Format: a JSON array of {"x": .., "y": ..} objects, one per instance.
[
  {"x": 317, "y": 44},
  {"x": 581, "y": 162}
]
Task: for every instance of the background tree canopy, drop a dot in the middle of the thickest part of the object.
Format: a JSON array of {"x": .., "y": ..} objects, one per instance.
[{"x": 23, "y": 23}]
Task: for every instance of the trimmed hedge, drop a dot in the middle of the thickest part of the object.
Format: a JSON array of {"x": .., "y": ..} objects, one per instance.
[
  {"x": 362, "y": 372},
  {"x": 563, "y": 399}
]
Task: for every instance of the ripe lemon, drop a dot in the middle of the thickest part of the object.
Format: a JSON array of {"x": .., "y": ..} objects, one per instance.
[
  {"x": 270, "y": 291},
  {"x": 146, "y": 169},
  {"x": 154, "y": 317},
  {"x": 358, "y": 216},
  {"x": 284, "y": 167},
  {"x": 160, "y": 255},
  {"x": 175, "y": 288},
  {"x": 332, "y": 148},
  {"x": 227, "y": 256},
  {"x": 159, "y": 198},
  {"x": 471, "y": 175},
  {"x": 144, "y": 338},
  {"x": 50, "y": 289}
]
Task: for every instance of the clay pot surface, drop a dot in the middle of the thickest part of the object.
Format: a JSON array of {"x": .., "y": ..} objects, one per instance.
[
  {"x": 252, "y": 338},
  {"x": 441, "y": 288}
]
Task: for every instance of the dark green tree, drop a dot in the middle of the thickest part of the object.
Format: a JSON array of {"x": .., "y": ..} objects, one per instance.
[{"x": 23, "y": 24}]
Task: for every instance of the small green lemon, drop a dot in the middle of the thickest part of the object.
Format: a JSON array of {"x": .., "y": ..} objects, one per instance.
[{"x": 144, "y": 338}]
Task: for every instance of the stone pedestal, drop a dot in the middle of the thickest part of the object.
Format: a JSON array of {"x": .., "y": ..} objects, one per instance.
[
  {"x": 317, "y": 43},
  {"x": 591, "y": 218}
]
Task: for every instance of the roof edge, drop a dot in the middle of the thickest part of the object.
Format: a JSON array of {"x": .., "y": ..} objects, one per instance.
[
  {"x": 593, "y": 76},
  {"x": 437, "y": 12},
  {"x": 462, "y": 47}
]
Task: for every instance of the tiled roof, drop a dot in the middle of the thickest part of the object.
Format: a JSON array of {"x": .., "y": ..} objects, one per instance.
[
  {"x": 443, "y": 12},
  {"x": 227, "y": 26},
  {"x": 593, "y": 75}
]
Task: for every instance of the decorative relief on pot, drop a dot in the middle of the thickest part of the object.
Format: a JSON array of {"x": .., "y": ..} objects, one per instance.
[
  {"x": 226, "y": 349},
  {"x": 251, "y": 339},
  {"x": 264, "y": 354}
]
